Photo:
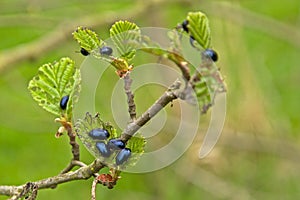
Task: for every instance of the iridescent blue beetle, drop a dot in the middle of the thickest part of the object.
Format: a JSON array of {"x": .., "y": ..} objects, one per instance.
[
  {"x": 123, "y": 156},
  {"x": 103, "y": 149},
  {"x": 99, "y": 134},
  {"x": 106, "y": 51},
  {"x": 212, "y": 54},
  {"x": 184, "y": 25},
  {"x": 84, "y": 52},
  {"x": 116, "y": 144},
  {"x": 63, "y": 102}
]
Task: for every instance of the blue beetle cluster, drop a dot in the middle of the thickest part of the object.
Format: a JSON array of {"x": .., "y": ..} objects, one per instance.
[{"x": 106, "y": 148}]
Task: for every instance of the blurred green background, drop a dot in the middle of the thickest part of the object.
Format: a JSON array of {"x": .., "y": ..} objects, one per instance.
[{"x": 258, "y": 154}]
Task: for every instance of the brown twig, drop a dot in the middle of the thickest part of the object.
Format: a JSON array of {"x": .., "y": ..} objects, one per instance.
[
  {"x": 29, "y": 191},
  {"x": 73, "y": 143},
  {"x": 182, "y": 64},
  {"x": 130, "y": 97},
  {"x": 72, "y": 164},
  {"x": 82, "y": 173},
  {"x": 94, "y": 186},
  {"x": 66, "y": 125},
  {"x": 171, "y": 94}
]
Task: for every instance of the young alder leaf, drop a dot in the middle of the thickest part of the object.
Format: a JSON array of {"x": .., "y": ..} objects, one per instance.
[
  {"x": 198, "y": 26},
  {"x": 87, "y": 39},
  {"x": 54, "y": 81},
  {"x": 137, "y": 145},
  {"x": 126, "y": 36},
  {"x": 74, "y": 95}
]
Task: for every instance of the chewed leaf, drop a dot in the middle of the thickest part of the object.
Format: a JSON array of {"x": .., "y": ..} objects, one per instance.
[
  {"x": 203, "y": 95},
  {"x": 126, "y": 36},
  {"x": 84, "y": 128},
  {"x": 87, "y": 39},
  {"x": 97, "y": 137},
  {"x": 198, "y": 26},
  {"x": 175, "y": 41},
  {"x": 54, "y": 81},
  {"x": 207, "y": 82}
]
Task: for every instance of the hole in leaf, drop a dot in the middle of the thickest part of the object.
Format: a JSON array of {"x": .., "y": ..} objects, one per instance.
[{"x": 34, "y": 89}]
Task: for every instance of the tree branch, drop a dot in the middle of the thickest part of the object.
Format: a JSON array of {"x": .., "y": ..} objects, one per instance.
[{"x": 82, "y": 173}]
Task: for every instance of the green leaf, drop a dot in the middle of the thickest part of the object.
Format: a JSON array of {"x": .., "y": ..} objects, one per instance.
[
  {"x": 198, "y": 26},
  {"x": 203, "y": 95},
  {"x": 87, "y": 39},
  {"x": 53, "y": 81},
  {"x": 137, "y": 145},
  {"x": 126, "y": 36},
  {"x": 74, "y": 95}
]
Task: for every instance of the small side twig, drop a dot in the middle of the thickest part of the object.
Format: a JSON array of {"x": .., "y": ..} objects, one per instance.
[
  {"x": 94, "y": 186},
  {"x": 72, "y": 164},
  {"x": 182, "y": 64},
  {"x": 130, "y": 97}
]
